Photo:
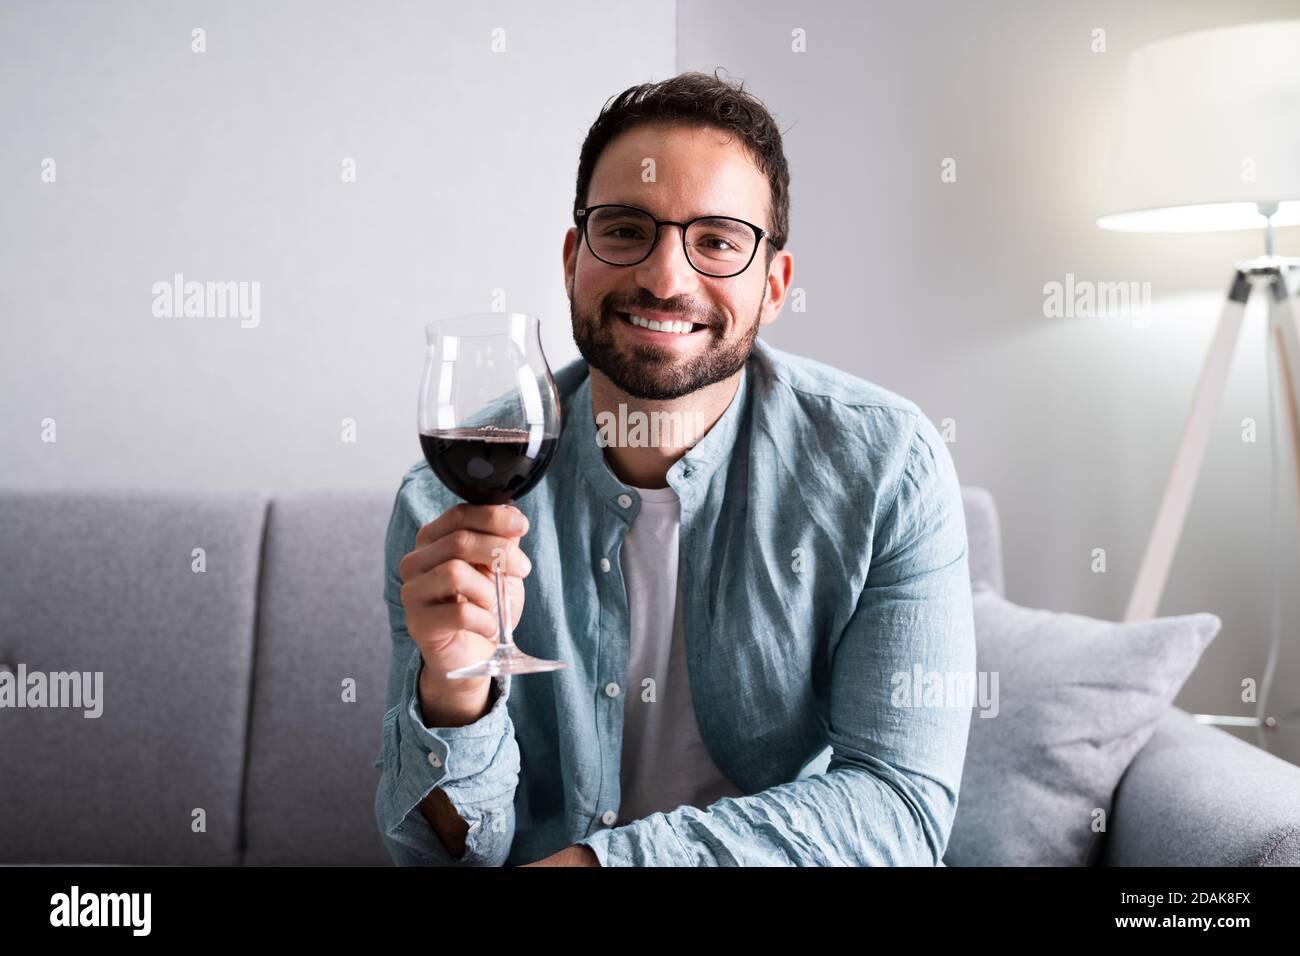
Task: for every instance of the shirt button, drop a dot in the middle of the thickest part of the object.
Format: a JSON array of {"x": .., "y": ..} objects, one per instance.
[
  {"x": 611, "y": 689},
  {"x": 434, "y": 761},
  {"x": 608, "y": 818},
  {"x": 604, "y": 564},
  {"x": 625, "y": 501}
]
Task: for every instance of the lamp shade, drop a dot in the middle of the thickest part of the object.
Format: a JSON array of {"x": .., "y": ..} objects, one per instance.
[{"x": 1209, "y": 126}]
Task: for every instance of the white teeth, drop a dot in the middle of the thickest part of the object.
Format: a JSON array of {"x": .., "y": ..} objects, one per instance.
[{"x": 676, "y": 326}]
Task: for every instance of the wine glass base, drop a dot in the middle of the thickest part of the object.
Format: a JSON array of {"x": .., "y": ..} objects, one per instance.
[{"x": 507, "y": 660}]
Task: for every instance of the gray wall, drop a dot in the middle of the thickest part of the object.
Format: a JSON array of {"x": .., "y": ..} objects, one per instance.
[
  {"x": 225, "y": 165},
  {"x": 935, "y": 289}
]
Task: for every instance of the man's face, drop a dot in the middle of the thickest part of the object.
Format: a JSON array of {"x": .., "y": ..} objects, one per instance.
[{"x": 697, "y": 172}]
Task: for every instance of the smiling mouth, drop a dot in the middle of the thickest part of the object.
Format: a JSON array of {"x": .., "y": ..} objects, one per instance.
[{"x": 673, "y": 327}]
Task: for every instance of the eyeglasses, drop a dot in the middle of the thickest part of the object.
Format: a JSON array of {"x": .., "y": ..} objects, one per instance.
[{"x": 716, "y": 246}]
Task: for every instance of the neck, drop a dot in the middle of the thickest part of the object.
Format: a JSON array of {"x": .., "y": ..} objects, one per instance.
[{"x": 644, "y": 439}]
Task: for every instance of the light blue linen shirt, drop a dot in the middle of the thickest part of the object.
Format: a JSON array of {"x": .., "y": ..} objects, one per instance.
[{"x": 822, "y": 555}]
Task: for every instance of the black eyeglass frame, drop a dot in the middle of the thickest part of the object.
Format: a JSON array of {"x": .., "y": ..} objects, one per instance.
[{"x": 581, "y": 216}]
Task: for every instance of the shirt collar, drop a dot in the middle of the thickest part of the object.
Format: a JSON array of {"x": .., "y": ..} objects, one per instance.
[{"x": 688, "y": 475}]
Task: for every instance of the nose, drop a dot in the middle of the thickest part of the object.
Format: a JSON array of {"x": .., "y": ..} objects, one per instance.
[{"x": 666, "y": 273}]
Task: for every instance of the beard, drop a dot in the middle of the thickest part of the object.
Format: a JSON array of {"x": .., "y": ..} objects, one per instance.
[{"x": 648, "y": 372}]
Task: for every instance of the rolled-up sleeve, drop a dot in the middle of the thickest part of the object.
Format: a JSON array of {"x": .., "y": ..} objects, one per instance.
[
  {"x": 889, "y": 793},
  {"x": 476, "y": 766}
]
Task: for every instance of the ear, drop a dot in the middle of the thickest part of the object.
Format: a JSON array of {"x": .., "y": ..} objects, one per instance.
[
  {"x": 779, "y": 276},
  {"x": 570, "y": 258}
]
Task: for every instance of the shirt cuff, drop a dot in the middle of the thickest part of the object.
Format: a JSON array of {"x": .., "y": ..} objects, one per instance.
[
  {"x": 650, "y": 841},
  {"x": 431, "y": 757}
]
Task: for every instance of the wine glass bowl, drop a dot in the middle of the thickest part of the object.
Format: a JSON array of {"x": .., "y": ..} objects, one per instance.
[{"x": 489, "y": 422}]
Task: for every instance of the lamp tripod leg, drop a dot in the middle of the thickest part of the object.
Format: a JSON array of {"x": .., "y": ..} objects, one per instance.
[
  {"x": 1144, "y": 601},
  {"x": 1284, "y": 327},
  {"x": 1284, "y": 356}
]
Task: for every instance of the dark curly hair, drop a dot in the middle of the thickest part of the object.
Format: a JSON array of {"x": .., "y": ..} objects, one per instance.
[{"x": 697, "y": 99}]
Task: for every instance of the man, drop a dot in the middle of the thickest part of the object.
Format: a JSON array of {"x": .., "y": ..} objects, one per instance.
[{"x": 734, "y": 610}]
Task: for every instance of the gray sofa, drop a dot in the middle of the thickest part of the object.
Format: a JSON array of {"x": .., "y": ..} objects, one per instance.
[{"x": 225, "y": 737}]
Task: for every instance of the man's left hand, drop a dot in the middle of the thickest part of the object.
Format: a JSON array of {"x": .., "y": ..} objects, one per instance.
[{"x": 577, "y": 855}]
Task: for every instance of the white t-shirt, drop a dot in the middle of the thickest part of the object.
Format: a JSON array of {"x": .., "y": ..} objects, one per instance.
[{"x": 664, "y": 763}]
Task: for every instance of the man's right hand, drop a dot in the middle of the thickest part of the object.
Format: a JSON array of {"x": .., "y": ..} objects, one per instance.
[{"x": 449, "y": 598}]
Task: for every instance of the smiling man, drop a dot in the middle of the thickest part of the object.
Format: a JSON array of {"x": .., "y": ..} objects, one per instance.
[{"x": 733, "y": 609}]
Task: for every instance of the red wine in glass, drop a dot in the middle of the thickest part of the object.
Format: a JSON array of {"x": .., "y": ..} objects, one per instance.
[
  {"x": 489, "y": 421},
  {"x": 486, "y": 466}
]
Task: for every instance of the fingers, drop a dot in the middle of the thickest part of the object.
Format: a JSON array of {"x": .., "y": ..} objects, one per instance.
[
  {"x": 450, "y": 581},
  {"x": 451, "y": 619},
  {"x": 515, "y": 596},
  {"x": 472, "y": 547},
  {"x": 447, "y": 579},
  {"x": 504, "y": 521},
  {"x": 473, "y": 533},
  {"x": 445, "y": 582}
]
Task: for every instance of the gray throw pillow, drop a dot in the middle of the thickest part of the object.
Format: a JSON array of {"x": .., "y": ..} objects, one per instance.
[{"x": 1076, "y": 699}]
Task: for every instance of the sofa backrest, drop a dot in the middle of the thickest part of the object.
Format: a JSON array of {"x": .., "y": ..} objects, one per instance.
[
  {"x": 322, "y": 622},
  {"x": 983, "y": 538},
  {"x": 106, "y": 582},
  {"x": 243, "y": 684}
]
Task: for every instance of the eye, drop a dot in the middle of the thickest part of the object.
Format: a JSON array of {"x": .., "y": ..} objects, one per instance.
[{"x": 722, "y": 239}]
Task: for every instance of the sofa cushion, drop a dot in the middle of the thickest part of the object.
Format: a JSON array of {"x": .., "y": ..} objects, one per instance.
[
  {"x": 322, "y": 622},
  {"x": 983, "y": 537},
  {"x": 1075, "y": 699},
  {"x": 112, "y": 582}
]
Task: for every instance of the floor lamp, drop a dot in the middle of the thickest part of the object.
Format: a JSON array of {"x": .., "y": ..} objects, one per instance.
[{"x": 1208, "y": 139}]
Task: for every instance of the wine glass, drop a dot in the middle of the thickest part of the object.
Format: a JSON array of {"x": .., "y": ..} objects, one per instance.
[{"x": 489, "y": 421}]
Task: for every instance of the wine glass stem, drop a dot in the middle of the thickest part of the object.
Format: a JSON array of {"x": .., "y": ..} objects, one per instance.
[{"x": 505, "y": 637}]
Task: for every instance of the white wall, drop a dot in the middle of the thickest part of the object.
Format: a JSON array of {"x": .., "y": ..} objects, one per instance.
[
  {"x": 936, "y": 290},
  {"x": 226, "y": 165}
]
